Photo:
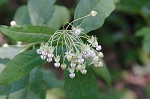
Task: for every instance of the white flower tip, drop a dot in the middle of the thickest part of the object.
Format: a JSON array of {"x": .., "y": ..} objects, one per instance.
[
  {"x": 84, "y": 71},
  {"x": 13, "y": 23},
  {"x": 93, "y": 13},
  {"x": 100, "y": 54},
  {"x": 72, "y": 75},
  {"x": 5, "y": 45}
]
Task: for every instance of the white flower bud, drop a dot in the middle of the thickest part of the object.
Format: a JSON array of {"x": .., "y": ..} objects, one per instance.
[
  {"x": 100, "y": 64},
  {"x": 13, "y": 23},
  {"x": 72, "y": 75},
  {"x": 84, "y": 71},
  {"x": 72, "y": 64},
  {"x": 49, "y": 59},
  {"x": 56, "y": 64},
  {"x": 80, "y": 61},
  {"x": 38, "y": 51},
  {"x": 63, "y": 66},
  {"x": 98, "y": 48},
  {"x": 96, "y": 58},
  {"x": 50, "y": 55},
  {"x": 100, "y": 54},
  {"x": 44, "y": 53},
  {"x": 93, "y": 13},
  {"x": 77, "y": 31},
  {"x": 43, "y": 57}
]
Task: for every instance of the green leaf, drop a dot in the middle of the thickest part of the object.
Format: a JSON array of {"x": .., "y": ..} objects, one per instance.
[
  {"x": 40, "y": 11},
  {"x": 28, "y": 33},
  {"x": 11, "y": 51},
  {"x": 103, "y": 73},
  {"x": 51, "y": 80},
  {"x": 81, "y": 87},
  {"x": 133, "y": 6},
  {"x": 61, "y": 16},
  {"x": 145, "y": 33},
  {"x": 22, "y": 16},
  {"x": 20, "y": 66},
  {"x": 103, "y": 7}
]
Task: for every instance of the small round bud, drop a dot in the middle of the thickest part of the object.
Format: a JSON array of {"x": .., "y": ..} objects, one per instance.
[
  {"x": 72, "y": 75},
  {"x": 63, "y": 66},
  {"x": 38, "y": 51},
  {"x": 98, "y": 48},
  {"x": 44, "y": 53},
  {"x": 93, "y": 13},
  {"x": 49, "y": 59},
  {"x": 77, "y": 31},
  {"x": 84, "y": 71},
  {"x": 13, "y": 23},
  {"x": 56, "y": 64},
  {"x": 100, "y": 54},
  {"x": 43, "y": 57},
  {"x": 50, "y": 55},
  {"x": 80, "y": 61}
]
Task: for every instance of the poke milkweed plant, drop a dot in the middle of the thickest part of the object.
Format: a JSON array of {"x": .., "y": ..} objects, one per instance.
[{"x": 70, "y": 48}]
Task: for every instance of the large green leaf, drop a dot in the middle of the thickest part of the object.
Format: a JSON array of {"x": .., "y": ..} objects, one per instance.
[
  {"x": 61, "y": 16},
  {"x": 103, "y": 73},
  {"x": 28, "y": 33},
  {"x": 22, "y": 16},
  {"x": 40, "y": 11},
  {"x": 20, "y": 66},
  {"x": 103, "y": 7},
  {"x": 11, "y": 51},
  {"x": 145, "y": 33},
  {"x": 81, "y": 87}
]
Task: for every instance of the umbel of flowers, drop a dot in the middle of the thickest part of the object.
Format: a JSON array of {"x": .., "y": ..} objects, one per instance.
[{"x": 74, "y": 50}]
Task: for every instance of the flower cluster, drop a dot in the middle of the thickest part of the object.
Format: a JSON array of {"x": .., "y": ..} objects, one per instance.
[{"x": 76, "y": 55}]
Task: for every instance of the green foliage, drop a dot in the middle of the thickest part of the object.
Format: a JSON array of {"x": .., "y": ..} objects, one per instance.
[
  {"x": 81, "y": 87},
  {"x": 22, "y": 16},
  {"x": 133, "y": 6},
  {"x": 60, "y": 16},
  {"x": 103, "y": 73},
  {"x": 103, "y": 7},
  {"x": 145, "y": 33},
  {"x": 20, "y": 66},
  {"x": 25, "y": 71},
  {"x": 41, "y": 12},
  {"x": 28, "y": 33}
]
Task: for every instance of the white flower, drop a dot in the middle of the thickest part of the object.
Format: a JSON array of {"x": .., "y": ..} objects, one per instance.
[
  {"x": 79, "y": 67},
  {"x": 56, "y": 64},
  {"x": 77, "y": 31},
  {"x": 98, "y": 48},
  {"x": 93, "y": 13},
  {"x": 80, "y": 60},
  {"x": 72, "y": 75}
]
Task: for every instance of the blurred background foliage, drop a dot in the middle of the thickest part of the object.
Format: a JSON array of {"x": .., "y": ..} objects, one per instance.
[{"x": 125, "y": 38}]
